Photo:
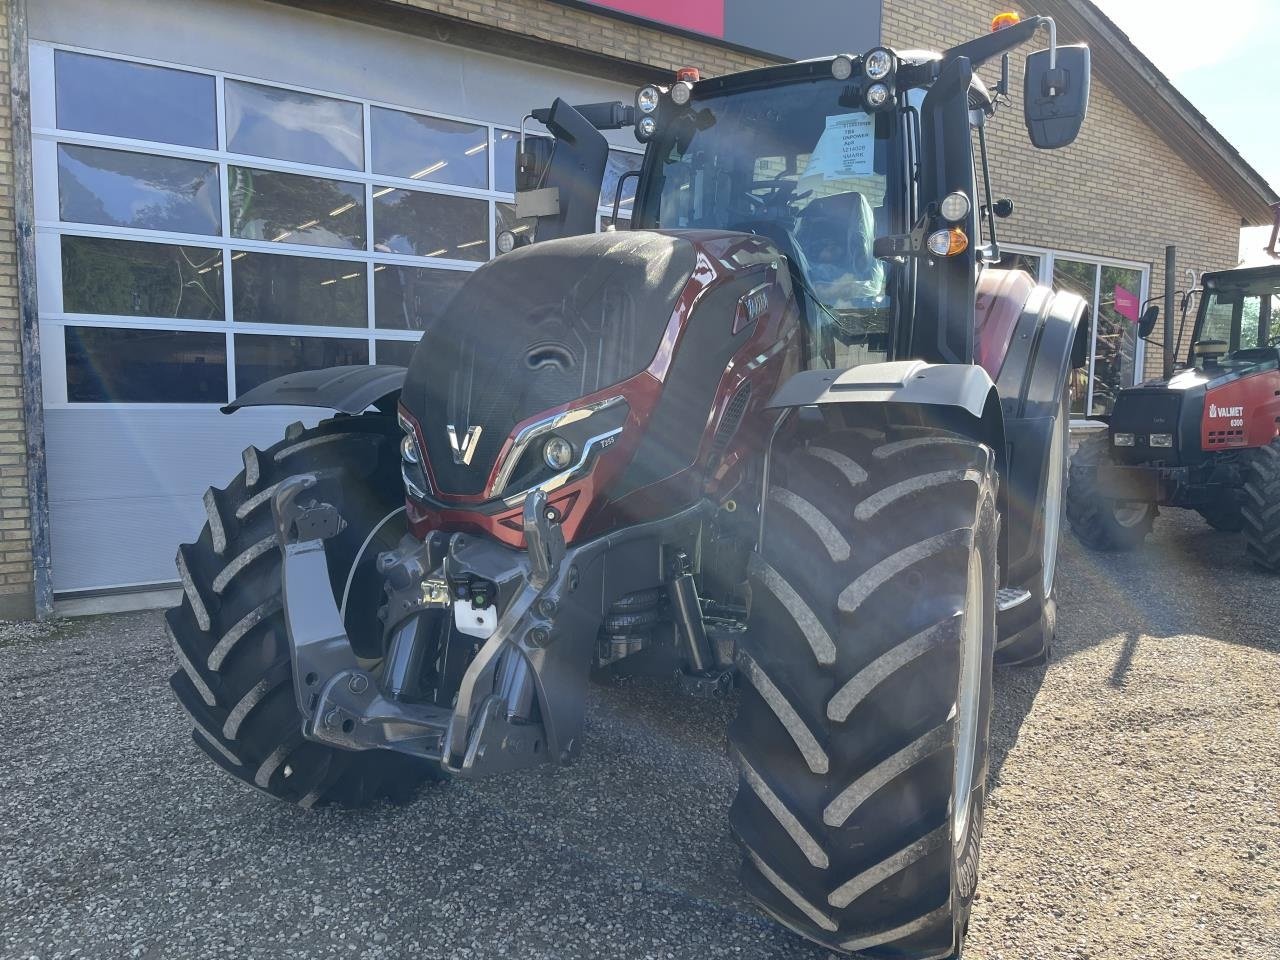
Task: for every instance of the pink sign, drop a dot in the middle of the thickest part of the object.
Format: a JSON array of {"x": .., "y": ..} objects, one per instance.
[
  {"x": 1126, "y": 303},
  {"x": 703, "y": 16}
]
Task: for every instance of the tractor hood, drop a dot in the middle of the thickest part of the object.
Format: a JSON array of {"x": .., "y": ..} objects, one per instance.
[{"x": 533, "y": 329}]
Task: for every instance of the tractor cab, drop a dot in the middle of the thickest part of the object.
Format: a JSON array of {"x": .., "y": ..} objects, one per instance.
[{"x": 1238, "y": 323}]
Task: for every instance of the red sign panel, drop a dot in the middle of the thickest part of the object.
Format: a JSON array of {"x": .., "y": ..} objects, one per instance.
[
  {"x": 701, "y": 16},
  {"x": 1126, "y": 303}
]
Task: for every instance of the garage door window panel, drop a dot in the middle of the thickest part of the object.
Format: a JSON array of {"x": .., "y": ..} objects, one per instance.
[
  {"x": 124, "y": 365},
  {"x": 1080, "y": 278},
  {"x": 137, "y": 101},
  {"x": 430, "y": 149},
  {"x": 412, "y": 298},
  {"x": 416, "y": 223},
  {"x": 289, "y": 125},
  {"x": 262, "y": 358},
  {"x": 130, "y": 278},
  {"x": 291, "y": 208},
  {"x": 125, "y": 189},
  {"x": 396, "y": 352},
  {"x": 307, "y": 291}
]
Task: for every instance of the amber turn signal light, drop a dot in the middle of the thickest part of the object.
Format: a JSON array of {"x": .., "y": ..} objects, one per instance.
[{"x": 947, "y": 243}]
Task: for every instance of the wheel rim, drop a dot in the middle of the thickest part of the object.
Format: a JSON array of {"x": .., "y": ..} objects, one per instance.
[
  {"x": 1129, "y": 514},
  {"x": 1053, "y": 505},
  {"x": 968, "y": 700}
]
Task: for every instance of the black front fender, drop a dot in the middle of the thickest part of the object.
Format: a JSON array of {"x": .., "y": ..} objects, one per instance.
[{"x": 350, "y": 390}]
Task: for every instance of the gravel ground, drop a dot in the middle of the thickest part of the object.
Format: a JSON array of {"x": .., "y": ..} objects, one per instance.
[{"x": 1134, "y": 806}]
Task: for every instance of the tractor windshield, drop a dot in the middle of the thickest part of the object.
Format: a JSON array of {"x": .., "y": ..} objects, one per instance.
[
  {"x": 1242, "y": 310},
  {"x": 797, "y": 165}
]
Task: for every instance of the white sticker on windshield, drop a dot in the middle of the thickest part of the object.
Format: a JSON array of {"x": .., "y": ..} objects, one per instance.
[{"x": 846, "y": 147}]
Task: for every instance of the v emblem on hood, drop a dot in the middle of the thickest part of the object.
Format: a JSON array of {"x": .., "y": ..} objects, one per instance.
[{"x": 465, "y": 449}]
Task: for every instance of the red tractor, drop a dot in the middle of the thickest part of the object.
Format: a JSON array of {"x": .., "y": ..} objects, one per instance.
[
  {"x": 789, "y": 432},
  {"x": 1207, "y": 438}
]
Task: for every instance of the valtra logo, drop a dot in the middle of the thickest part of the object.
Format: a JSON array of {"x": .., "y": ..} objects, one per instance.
[{"x": 1216, "y": 412}]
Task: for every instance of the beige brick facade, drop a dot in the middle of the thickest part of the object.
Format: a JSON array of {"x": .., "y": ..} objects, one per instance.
[
  {"x": 16, "y": 590},
  {"x": 1119, "y": 191}
]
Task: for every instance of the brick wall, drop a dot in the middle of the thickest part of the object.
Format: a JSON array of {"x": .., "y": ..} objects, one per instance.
[
  {"x": 16, "y": 592},
  {"x": 1118, "y": 191}
]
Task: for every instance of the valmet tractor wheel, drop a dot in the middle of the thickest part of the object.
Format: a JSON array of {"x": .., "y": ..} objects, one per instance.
[
  {"x": 234, "y": 677},
  {"x": 1261, "y": 512},
  {"x": 1026, "y": 631},
  {"x": 862, "y": 732},
  {"x": 1099, "y": 523}
]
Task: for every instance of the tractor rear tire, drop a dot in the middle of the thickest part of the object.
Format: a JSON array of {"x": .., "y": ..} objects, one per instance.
[
  {"x": 235, "y": 677},
  {"x": 1100, "y": 523},
  {"x": 1226, "y": 519},
  {"x": 1261, "y": 511},
  {"x": 866, "y": 667},
  {"x": 1025, "y": 633}
]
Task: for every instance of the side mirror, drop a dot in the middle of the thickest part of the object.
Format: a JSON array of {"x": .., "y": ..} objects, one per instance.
[
  {"x": 1055, "y": 100},
  {"x": 1147, "y": 322},
  {"x": 532, "y": 163}
]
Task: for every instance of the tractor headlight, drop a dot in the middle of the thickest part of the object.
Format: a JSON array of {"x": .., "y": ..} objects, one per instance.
[
  {"x": 1162, "y": 439},
  {"x": 1124, "y": 439},
  {"x": 681, "y": 93},
  {"x": 877, "y": 95},
  {"x": 506, "y": 241},
  {"x": 877, "y": 64},
  {"x": 955, "y": 206},
  {"x": 842, "y": 67},
  {"x": 646, "y": 128},
  {"x": 647, "y": 99},
  {"x": 557, "y": 453},
  {"x": 411, "y": 472}
]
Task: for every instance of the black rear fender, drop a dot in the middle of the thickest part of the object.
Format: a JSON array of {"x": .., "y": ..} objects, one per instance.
[
  {"x": 947, "y": 396},
  {"x": 1049, "y": 340},
  {"x": 350, "y": 390}
]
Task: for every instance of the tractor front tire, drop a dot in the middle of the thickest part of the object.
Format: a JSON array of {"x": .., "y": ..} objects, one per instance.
[
  {"x": 1261, "y": 510},
  {"x": 235, "y": 677},
  {"x": 1100, "y": 523},
  {"x": 866, "y": 666}
]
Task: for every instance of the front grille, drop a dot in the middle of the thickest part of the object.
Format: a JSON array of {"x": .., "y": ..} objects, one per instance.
[{"x": 733, "y": 412}]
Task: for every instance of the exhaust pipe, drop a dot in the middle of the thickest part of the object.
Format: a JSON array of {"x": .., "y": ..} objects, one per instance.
[{"x": 1170, "y": 271}]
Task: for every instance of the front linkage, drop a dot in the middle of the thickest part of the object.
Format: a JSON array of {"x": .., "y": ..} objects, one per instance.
[{"x": 518, "y": 700}]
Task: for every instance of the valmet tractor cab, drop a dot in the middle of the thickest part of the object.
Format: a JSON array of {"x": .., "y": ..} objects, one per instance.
[
  {"x": 1206, "y": 439},
  {"x": 790, "y": 434}
]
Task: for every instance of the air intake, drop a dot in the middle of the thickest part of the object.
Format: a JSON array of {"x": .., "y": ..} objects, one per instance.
[{"x": 730, "y": 421}]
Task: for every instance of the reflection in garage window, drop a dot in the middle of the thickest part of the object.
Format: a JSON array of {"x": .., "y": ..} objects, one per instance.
[
  {"x": 107, "y": 365},
  {"x": 261, "y": 358},
  {"x": 1116, "y": 350},
  {"x": 126, "y": 189},
  {"x": 430, "y": 224},
  {"x": 287, "y": 125},
  {"x": 411, "y": 298},
  {"x": 130, "y": 278},
  {"x": 396, "y": 352},
  {"x": 289, "y": 208},
  {"x": 134, "y": 100},
  {"x": 269, "y": 288},
  {"x": 430, "y": 149},
  {"x": 504, "y": 216}
]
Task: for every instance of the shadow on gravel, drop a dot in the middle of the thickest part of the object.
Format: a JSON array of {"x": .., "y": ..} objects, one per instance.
[
  {"x": 1016, "y": 689},
  {"x": 1186, "y": 581}
]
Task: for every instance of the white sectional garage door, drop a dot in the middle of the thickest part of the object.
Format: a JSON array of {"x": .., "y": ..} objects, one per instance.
[{"x": 227, "y": 192}]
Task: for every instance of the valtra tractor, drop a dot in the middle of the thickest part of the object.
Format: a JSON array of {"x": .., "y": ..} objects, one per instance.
[
  {"x": 790, "y": 433},
  {"x": 1206, "y": 438}
]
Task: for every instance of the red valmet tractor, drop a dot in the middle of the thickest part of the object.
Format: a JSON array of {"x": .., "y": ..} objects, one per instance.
[
  {"x": 791, "y": 434},
  {"x": 1206, "y": 438}
]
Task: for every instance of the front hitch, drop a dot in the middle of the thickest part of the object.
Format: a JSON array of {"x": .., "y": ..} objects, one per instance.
[{"x": 521, "y": 698}]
